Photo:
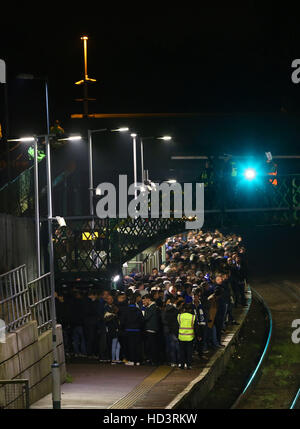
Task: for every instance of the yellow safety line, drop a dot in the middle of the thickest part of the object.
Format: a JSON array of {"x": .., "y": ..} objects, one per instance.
[{"x": 144, "y": 387}]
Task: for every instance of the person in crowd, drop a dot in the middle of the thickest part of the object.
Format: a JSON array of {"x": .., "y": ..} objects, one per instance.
[
  {"x": 103, "y": 348},
  {"x": 151, "y": 329},
  {"x": 90, "y": 322},
  {"x": 77, "y": 325},
  {"x": 222, "y": 306},
  {"x": 112, "y": 325},
  {"x": 63, "y": 318},
  {"x": 132, "y": 324},
  {"x": 186, "y": 334},
  {"x": 187, "y": 293},
  {"x": 170, "y": 324},
  {"x": 238, "y": 278}
]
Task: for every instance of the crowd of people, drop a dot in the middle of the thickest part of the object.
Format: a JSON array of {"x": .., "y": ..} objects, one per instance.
[{"x": 183, "y": 307}]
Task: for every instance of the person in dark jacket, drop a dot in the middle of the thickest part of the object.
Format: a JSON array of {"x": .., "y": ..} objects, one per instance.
[
  {"x": 63, "y": 318},
  {"x": 112, "y": 328},
  {"x": 90, "y": 321},
  {"x": 103, "y": 346},
  {"x": 122, "y": 304},
  {"x": 132, "y": 323},
  {"x": 151, "y": 329},
  {"x": 238, "y": 282},
  {"x": 171, "y": 331},
  {"x": 76, "y": 323}
]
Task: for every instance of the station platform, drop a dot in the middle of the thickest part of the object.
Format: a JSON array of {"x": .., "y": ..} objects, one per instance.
[{"x": 106, "y": 386}]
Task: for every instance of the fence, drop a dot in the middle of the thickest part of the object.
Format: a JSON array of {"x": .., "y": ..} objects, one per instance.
[
  {"x": 21, "y": 301},
  {"x": 40, "y": 302},
  {"x": 14, "y": 298},
  {"x": 14, "y": 394}
]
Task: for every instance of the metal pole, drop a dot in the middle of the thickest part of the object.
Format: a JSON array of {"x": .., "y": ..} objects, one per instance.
[
  {"x": 47, "y": 107},
  {"x": 134, "y": 167},
  {"x": 56, "y": 392},
  {"x": 142, "y": 161},
  {"x": 91, "y": 179},
  {"x": 37, "y": 208}
]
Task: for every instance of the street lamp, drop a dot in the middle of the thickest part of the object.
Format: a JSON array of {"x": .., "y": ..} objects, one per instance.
[
  {"x": 56, "y": 390},
  {"x": 165, "y": 138}
]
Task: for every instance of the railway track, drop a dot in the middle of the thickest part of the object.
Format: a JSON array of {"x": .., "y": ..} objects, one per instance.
[{"x": 275, "y": 381}]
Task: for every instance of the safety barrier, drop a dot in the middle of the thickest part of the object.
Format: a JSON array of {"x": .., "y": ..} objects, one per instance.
[{"x": 21, "y": 301}]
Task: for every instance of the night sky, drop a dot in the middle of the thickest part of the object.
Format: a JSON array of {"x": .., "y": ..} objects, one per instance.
[{"x": 232, "y": 64}]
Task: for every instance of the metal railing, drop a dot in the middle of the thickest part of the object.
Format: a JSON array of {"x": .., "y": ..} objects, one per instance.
[
  {"x": 14, "y": 298},
  {"x": 14, "y": 394},
  {"x": 21, "y": 301},
  {"x": 40, "y": 302}
]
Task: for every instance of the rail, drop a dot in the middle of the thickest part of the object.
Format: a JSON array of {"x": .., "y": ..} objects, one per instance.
[
  {"x": 254, "y": 376},
  {"x": 40, "y": 302},
  {"x": 21, "y": 301},
  {"x": 295, "y": 400}
]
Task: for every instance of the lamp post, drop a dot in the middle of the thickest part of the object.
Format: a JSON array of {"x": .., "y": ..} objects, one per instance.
[
  {"x": 165, "y": 138},
  {"x": 134, "y": 164},
  {"x": 56, "y": 390}
]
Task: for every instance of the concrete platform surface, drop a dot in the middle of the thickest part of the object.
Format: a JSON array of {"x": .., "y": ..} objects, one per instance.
[{"x": 96, "y": 385}]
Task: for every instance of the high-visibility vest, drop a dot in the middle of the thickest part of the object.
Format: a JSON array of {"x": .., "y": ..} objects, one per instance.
[{"x": 186, "y": 326}]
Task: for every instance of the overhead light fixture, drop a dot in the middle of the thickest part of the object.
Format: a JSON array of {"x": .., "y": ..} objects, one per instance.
[
  {"x": 172, "y": 181},
  {"x": 71, "y": 138},
  {"x": 133, "y": 135},
  {"x": 61, "y": 221},
  {"x": 122, "y": 129},
  {"x": 165, "y": 138},
  {"x": 23, "y": 140}
]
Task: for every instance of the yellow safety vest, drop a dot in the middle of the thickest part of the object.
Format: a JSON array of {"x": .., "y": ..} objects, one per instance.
[{"x": 186, "y": 326}]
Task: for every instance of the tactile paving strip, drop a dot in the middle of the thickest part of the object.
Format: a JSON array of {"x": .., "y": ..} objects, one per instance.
[{"x": 143, "y": 388}]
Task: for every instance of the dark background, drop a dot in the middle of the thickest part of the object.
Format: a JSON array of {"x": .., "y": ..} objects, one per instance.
[{"x": 231, "y": 64}]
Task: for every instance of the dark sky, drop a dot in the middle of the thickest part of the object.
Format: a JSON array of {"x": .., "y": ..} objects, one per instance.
[{"x": 214, "y": 59}]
